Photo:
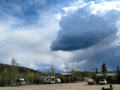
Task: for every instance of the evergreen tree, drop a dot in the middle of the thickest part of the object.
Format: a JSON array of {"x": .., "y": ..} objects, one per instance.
[
  {"x": 96, "y": 70},
  {"x": 118, "y": 74},
  {"x": 104, "y": 70}
]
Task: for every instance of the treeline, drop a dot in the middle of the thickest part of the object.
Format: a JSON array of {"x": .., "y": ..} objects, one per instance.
[
  {"x": 76, "y": 76},
  {"x": 20, "y": 68},
  {"x": 10, "y": 73},
  {"x": 104, "y": 71}
]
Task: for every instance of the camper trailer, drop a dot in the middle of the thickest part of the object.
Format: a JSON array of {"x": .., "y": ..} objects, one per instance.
[{"x": 48, "y": 79}]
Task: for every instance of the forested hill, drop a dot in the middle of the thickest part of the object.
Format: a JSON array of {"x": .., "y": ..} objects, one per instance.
[
  {"x": 19, "y": 68},
  {"x": 10, "y": 73}
]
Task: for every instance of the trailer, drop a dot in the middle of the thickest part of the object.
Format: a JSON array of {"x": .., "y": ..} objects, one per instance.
[{"x": 48, "y": 79}]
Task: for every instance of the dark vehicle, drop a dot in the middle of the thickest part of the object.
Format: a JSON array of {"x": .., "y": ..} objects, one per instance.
[{"x": 21, "y": 81}]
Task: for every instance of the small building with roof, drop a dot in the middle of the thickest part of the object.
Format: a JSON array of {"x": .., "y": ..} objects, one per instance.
[
  {"x": 110, "y": 77},
  {"x": 67, "y": 76}
]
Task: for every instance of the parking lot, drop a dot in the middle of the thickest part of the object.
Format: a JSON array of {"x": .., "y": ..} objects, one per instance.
[{"x": 62, "y": 86}]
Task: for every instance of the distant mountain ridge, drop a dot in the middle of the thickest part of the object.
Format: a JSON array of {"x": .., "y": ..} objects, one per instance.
[{"x": 20, "y": 68}]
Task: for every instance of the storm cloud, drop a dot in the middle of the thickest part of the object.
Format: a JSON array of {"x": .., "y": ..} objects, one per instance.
[
  {"x": 86, "y": 26},
  {"x": 79, "y": 34}
]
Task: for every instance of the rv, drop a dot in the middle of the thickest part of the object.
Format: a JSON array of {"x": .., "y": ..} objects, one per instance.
[{"x": 48, "y": 79}]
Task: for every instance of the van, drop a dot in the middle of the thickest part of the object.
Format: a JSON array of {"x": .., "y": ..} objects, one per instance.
[{"x": 21, "y": 81}]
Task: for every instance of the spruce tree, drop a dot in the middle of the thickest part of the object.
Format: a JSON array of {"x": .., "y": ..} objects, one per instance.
[
  {"x": 118, "y": 74},
  {"x": 104, "y": 70}
]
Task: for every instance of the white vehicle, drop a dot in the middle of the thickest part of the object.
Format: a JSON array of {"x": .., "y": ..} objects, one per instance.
[
  {"x": 58, "y": 80},
  {"x": 90, "y": 82},
  {"x": 102, "y": 81},
  {"x": 48, "y": 79}
]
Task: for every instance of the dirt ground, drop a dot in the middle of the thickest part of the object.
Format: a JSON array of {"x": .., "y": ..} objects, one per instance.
[{"x": 62, "y": 86}]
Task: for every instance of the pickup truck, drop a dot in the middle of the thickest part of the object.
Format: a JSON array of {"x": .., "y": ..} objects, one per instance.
[{"x": 90, "y": 82}]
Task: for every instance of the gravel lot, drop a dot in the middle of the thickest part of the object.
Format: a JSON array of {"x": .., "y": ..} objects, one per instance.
[{"x": 62, "y": 86}]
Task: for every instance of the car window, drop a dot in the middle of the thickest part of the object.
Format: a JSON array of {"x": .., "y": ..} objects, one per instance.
[{"x": 102, "y": 80}]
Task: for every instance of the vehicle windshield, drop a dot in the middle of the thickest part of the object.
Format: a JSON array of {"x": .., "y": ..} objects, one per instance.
[
  {"x": 22, "y": 81},
  {"x": 102, "y": 80}
]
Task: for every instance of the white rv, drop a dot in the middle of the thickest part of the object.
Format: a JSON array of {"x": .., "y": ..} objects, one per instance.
[{"x": 48, "y": 79}]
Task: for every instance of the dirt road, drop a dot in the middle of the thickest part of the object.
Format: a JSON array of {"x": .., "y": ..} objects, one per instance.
[{"x": 62, "y": 86}]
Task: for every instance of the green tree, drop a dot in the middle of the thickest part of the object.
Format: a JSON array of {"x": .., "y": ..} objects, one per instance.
[
  {"x": 37, "y": 78},
  {"x": 76, "y": 75},
  {"x": 51, "y": 71},
  {"x": 88, "y": 74},
  {"x": 73, "y": 74},
  {"x": 0, "y": 79},
  {"x": 64, "y": 79},
  {"x": 104, "y": 70},
  {"x": 29, "y": 78},
  {"x": 6, "y": 76},
  {"x": 118, "y": 74},
  {"x": 14, "y": 69},
  {"x": 96, "y": 70}
]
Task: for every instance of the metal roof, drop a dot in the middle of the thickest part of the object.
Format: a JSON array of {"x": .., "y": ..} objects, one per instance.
[
  {"x": 107, "y": 74},
  {"x": 66, "y": 73}
]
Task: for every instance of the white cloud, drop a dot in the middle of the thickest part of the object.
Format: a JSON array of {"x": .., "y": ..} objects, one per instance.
[
  {"x": 58, "y": 16},
  {"x": 63, "y": 68},
  {"x": 89, "y": 24},
  {"x": 32, "y": 65},
  {"x": 29, "y": 43}
]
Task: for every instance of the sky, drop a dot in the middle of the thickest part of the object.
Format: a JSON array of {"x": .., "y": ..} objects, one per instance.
[{"x": 66, "y": 34}]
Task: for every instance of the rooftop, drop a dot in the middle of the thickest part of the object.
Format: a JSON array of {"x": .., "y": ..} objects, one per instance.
[
  {"x": 66, "y": 73},
  {"x": 107, "y": 74}
]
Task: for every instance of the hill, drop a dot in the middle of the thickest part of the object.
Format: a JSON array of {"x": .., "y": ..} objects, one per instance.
[
  {"x": 20, "y": 68},
  {"x": 10, "y": 73}
]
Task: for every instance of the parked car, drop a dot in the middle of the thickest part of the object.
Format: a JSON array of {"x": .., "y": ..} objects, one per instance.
[
  {"x": 102, "y": 81},
  {"x": 58, "y": 80}
]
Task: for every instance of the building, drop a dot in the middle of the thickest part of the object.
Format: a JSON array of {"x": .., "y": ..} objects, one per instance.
[{"x": 110, "y": 77}]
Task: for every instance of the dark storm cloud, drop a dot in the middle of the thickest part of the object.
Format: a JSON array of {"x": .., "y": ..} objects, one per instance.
[
  {"x": 83, "y": 28},
  {"x": 95, "y": 57},
  {"x": 29, "y": 10}
]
